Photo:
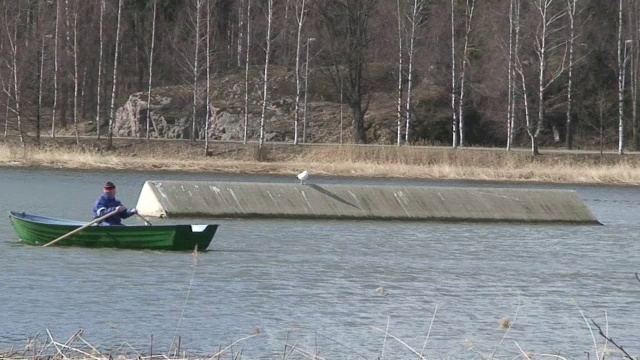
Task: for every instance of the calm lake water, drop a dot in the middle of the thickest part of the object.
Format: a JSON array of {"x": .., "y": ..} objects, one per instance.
[{"x": 313, "y": 283}]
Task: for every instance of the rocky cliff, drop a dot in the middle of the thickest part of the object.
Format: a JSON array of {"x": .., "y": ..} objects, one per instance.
[{"x": 171, "y": 108}]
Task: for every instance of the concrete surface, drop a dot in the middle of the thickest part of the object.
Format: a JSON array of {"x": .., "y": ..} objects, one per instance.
[{"x": 214, "y": 199}]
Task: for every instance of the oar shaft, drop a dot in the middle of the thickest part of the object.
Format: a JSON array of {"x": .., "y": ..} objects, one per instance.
[
  {"x": 80, "y": 228},
  {"x": 145, "y": 220}
]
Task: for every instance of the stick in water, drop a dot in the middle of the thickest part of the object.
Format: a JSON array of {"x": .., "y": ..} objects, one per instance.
[{"x": 80, "y": 228}]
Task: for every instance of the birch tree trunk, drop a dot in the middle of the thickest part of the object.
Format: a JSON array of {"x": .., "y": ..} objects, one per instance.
[
  {"x": 453, "y": 77},
  {"x": 115, "y": 76},
  {"x": 341, "y": 115},
  {"x": 153, "y": 42},
  {"x": 240, "y": 30},
  {"x": 13, "y": 43},
  {"x": 208, "y": 94},
  {"x": 195, "y": 71},
  {"x": 6, "y": 89},
  {"x": 465, "y": 61},
  {"x": 510, "y": 90},
  {"x": 246, "y": 73},
  {"x": 99, "y": 80},
  {"x": 416, "y": 9},
  {"x": 518, "y": 68},
  {"x": 620, "y": 85},
  {"x": 6, "y": 112},
  {"x": 76, "y": 84},
  {"x": 266, "y": 71},
  {"x": 306, "y": 92},
  {"x": 40, "y": 76},
  {"x": 529, "y": 127},
  {"x": 83, "y": 97},
  {"x": 543, "y": 47},
  {"x": 635, "y": 63},
  {"x": 516, "y": 47},
  {"x": 571, "y": 11},
  {"x": 399, "y": 140},
  {"x": 543, "y": 8},
  {"x": 300, "y": 18},
  {"x": 55, "y": 70}
]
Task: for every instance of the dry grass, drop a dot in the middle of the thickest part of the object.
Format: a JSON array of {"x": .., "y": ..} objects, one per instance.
[{"x": 348, "y": 160}]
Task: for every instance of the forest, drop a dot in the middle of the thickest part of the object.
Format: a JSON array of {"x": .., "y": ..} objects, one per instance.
[{"x": 497, "y": 73}]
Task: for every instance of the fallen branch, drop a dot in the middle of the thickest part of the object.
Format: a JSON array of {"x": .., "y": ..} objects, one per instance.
[{"x": 609, "y": 339}]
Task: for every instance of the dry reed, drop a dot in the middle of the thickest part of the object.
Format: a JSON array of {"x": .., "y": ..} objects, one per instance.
[{"x": 331, "y": 160}]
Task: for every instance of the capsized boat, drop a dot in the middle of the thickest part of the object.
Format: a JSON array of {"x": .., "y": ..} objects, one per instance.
[{"x": 40, "y": 230}]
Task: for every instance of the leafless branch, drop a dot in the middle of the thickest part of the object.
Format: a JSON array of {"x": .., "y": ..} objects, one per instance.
[{"x": 609, "y": 339}]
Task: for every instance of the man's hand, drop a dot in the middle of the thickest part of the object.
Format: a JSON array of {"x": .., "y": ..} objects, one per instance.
[{"x": 133, "y": 211}]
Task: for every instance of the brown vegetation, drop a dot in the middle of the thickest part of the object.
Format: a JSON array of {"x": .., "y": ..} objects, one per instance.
[{"x": 329, "y": 160}]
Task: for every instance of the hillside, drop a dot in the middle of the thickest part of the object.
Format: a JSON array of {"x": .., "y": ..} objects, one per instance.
[{"x": 171, "y": 108}]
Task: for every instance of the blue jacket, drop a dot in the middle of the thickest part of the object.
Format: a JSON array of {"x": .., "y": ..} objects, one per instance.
[{"x": 106, "y": 204}]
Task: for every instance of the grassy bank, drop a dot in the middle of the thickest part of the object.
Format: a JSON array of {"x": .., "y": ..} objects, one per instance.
[{"x": 332, "y": 160}]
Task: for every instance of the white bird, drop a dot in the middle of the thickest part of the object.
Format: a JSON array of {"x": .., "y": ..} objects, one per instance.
[{"x": 303, "y": 176}]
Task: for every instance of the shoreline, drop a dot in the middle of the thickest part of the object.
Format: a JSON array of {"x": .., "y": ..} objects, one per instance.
[
  {"x": 369, "y": 162},
  {"x": 469, "y": 181}
]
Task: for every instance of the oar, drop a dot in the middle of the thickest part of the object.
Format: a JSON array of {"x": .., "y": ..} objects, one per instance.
[
  {"x": 147, "y": 222},
  {"x": 80, "y": 228}
]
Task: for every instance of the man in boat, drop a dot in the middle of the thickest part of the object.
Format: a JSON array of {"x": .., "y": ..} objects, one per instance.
[{"x": 107, "y": 203}]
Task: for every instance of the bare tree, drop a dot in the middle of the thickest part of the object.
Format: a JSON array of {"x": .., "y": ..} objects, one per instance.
[
  {"x": 347, "y": 27},
  {"x": 6, "y": 110},
  {"x": 622, "y": 62},
  {"x": 634, "y": 25},
  {"x": 115, "y": 76},
  {"x": 5, "y": 89},
  {"x": 634, "y": 54},
  {"x": 416, "y": 9},
  {"x": 454, "y": 128},
  {"x": 265, "y": 91},
  {"x": 300, "y": 15},
  {"x": 469, "y": 10},
  {"x": 510, "y": 85},
  {"x": 285, "y": 33},
  {"x": 153, "y": 43},
  {"x": 400, "y": 56},
  {"x": 546, "y": 43},
  {"x": 246, "y": 74},
  {"x": 341, "y": 115},
  {"x": 306, "y": 92},
  {"x": 530, "y": 129},
  {"x": 55, "y": 70},
  {"x": 196, "y": 69},
  {"x": 39, "y": 100},
  {"x": 12, "y": 36},
  {"x": 240, "y": 30},
  {"x": 99, "y": 76},
  {"x": 209, "y": 107},
  {"x": 73, "y": 23},
  {"x": 571, "y": 11}
]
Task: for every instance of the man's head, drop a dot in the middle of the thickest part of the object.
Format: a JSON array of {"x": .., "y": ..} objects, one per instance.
[{"x": 110, "y": 188}]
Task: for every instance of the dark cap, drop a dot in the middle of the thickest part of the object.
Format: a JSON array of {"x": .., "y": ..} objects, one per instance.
[{"x": 109, "y": 185}]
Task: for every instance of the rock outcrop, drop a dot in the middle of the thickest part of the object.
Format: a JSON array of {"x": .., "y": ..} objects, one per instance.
[{"x": 171, "y": 110}]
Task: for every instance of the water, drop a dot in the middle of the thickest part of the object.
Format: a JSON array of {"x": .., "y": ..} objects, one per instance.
[{"x": 327, "y": 285}]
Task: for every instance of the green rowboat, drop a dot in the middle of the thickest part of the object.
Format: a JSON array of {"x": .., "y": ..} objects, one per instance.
[{"x": 39, "y": 230}]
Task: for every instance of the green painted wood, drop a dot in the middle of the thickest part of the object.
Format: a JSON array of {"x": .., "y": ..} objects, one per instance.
[{"x": 39, "y": 231}]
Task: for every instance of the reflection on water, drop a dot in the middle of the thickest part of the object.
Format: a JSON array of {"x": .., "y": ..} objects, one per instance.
[{"x": 314, "y": 282}]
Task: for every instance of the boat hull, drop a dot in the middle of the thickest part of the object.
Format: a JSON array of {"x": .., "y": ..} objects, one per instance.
[{"x": 37, "y": 230}]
